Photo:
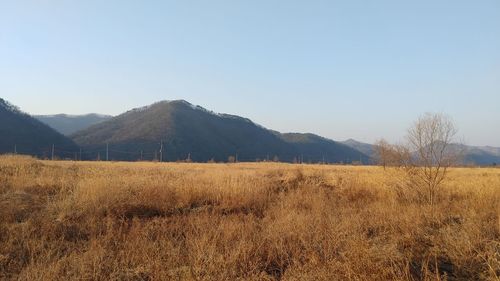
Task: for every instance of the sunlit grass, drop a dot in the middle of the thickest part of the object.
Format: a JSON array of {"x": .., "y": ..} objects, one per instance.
[{"x": 247, "y": 221}]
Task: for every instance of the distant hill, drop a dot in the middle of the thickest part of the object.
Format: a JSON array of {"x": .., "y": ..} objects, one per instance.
[
  {"x": 191, "y": 131},
  {"x": 317, "y": 148},
  {"x": 69, "y": 124},
  {"x": 19, "y": 131},
  {"x": 478, "y": 155},
  {"x": 365, "y": 148}
]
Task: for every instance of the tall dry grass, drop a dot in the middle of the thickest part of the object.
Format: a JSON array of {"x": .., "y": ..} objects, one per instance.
[{"x": 145, "y": 221}]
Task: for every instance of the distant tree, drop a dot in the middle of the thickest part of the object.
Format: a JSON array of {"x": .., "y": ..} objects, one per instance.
[
  {"x": 426, "y": 157},
  {"x": 231, "y": 159},
  {"x": 382, "y": 152},
  {"x": 276, "y": 158},
  {"x": 401, "y": 156},
  {"x": 429, "y": 141},
  {"x": 390, "y": 155}
]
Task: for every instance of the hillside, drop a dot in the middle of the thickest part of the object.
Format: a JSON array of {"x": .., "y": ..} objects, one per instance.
[
  {"x": 191, "y": 131},
  {"x": 365, "y": 148},
  {"x": 480, "y": 155},
  {"x": 69, "y": 124},
  {"x": 317, "y": 148},
  {"x": 24, "y": 134}
]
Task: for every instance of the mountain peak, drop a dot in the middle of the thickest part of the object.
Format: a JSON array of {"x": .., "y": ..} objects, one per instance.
[
  {"x": 162, "y": 103},
  {"x": 189, "y": 105},
  {"x": 179, "y": 101},
  {"x": 353, "y": 141}
]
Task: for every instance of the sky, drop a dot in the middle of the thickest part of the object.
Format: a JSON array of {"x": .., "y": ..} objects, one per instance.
[{"x": 342, "y": 69}]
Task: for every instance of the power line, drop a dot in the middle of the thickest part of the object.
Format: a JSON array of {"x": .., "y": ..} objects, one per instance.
[{"x": 80, "y": 153}]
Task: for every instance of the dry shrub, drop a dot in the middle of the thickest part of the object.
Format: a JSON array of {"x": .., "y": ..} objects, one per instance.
[{"x": 151, "y": 221}]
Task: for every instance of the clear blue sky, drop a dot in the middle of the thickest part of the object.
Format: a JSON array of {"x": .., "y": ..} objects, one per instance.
[{"x": 342, "y": 69}]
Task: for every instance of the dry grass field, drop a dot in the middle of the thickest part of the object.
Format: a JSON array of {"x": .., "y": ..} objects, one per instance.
[{"x": 151, "y": 221}]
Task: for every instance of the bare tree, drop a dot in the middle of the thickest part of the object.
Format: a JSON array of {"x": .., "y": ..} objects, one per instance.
[
  {"x": 391, "y": 155},
  {"x": 430, "y": 141},
  {"x": 382, "y": 151}
]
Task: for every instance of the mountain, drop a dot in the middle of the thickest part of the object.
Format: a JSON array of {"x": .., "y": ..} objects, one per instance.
[
  {"x": 365, "y": 148},
  {"x": 186, "y": 131},
  {"x": 69, "y": 124},
  {"x": 491, "y": 150},
  {"x": 22, "y": 133},
  {"x": 478, "y": 155},
  {"x": 317, "y": 148}
]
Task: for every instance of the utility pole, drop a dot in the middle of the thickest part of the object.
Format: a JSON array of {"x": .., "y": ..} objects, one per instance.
[
  {"x": 15, "y": 148},
  {"x": 161, "y": 151},
  {"x": 53, "y": 146},
  {"x": 236, "y": 157},
  {"x": 80, "y": 154},
  {"x": 107, "y": 151}
]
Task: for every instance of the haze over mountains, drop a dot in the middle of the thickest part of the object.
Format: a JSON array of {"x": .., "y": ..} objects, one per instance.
[
  {"x": 69, "y": 124},
  {"x": 179, "y": 130}
]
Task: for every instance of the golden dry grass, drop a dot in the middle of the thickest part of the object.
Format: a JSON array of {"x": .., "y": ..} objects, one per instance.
[{"x": 150, "y": 221}]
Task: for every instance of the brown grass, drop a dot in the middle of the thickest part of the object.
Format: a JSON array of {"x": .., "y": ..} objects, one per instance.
[{"x": 147, "y": 221}]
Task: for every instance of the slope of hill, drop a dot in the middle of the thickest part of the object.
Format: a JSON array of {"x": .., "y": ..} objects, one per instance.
[
  {"x": 317, "y": 148},
  {"x": 365, "y": 148},
  {"x": 24, "y": 134},
  {"x": 491, "y": 150},
  {"x": 479, "y": 155},
  {"x": 186, "y": 131},
  {"x": 69, "y": 124}
]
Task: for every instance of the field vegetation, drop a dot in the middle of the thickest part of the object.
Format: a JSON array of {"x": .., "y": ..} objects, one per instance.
[{"x": 246, "y": 221}]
